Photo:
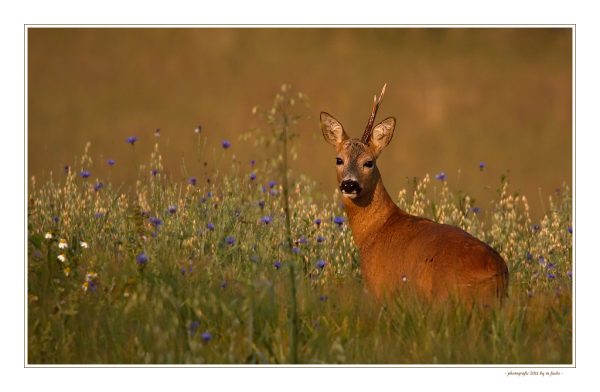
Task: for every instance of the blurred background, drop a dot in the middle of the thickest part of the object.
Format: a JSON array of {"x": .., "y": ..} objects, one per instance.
[{"x": 461, "y": 96}]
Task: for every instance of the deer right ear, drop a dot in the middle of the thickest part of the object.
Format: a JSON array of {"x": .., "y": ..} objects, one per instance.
[{"x": 333, "y": 132}]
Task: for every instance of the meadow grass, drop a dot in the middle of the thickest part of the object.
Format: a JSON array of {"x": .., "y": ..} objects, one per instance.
[{"x": 208, "y": 270}]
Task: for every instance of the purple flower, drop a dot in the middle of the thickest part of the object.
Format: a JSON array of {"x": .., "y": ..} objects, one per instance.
[
  {"x": 475, "y": 210},
  {"x": 321, "y": 264},
  {"x": 193, "y": 327},
  {"x": 252, "y": 176},
  {"x": 441, "y": 176},
  {"x": 172, "y": 209},
  {"x": 266, "y": 220},
  {"x": 192, "y": 181},
  {"x": 99, "y": 215},
  {"x": 550, "y": 265},
  {"x": 55, "y": 219},
  {"x": 570, "y": 230},
  {"x": 210, "y": 227},
  {"x": 272, "y": 184},
  {"x": 98, "y": 186},
  {"x": 541, "y": 260},
  {"x": 155, "y": 221},
  {"x": 551, "y": 276},
  {"x": 226, "y": 144},
  {"x": 320, "y": 238},
  {"x": 154, "y": 172},
  {"x": 206, "y": 336},
  {"x": 295, "y": 250},
  {"x": 570, "y": 274},
  {"x": 277, "y": 264},
  {"x": 318, "y": 221},
  {"x": 85, "y": 173},
  {"x": 481, "y": 165},
  {"x": 338, "y": 220},
  {"x": 142, "y": 259},
  {"x": 111, "y": 162},
  {"x": 302, "y": 240},
  {"x": 273, "y": 192},
  {"x": 230, "y": 240},
  {"x": 131, "y": 140},
  {"x": 209, "y": 194},
  {"x": 252, "y": 163}
]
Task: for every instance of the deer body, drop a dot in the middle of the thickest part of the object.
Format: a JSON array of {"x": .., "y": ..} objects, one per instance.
[{"x": 400, "y": 250}]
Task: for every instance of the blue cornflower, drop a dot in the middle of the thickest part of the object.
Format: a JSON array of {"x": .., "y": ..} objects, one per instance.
[
  {"x": 252, "y": 163},
  {"x": 192, "y": 181},
  {"x": 142, "y": 259},
  {"x": 154, "y": 172},
  {"x": 156, "y": 221},
  {"x": 481, "y": 165},
  {"x": 321, "y": 264},
  {"x": 210, "y": 227},
  {"x": 475, "y": 210},
  {"x": 209, "y": 194},
  {"x": 320, "y": 238},
  {"x": 97, "y": 186},
  {"x": 226, "y": 144},
  {"x": 277, "y": 264},
  {"x": 318, "y": 221},
  {"x": 550, "y": 265},
  {"x": 55, "y": 219},
  {"x": 263, "y": 189},
  {"x": 551, "y": 276},
  {"x": 85, "y": 173},
  {"x": 131, "y": 140},
  {"x": 441, "y": 176},
  {"x": 529, "y": 256},
  {"x": 302, "y": 240},
  {"x": 273, "y": 192},
  {"x": 338, "y": 220},
  {"x": 99, "y": 215},
  {"x": 252, "y": 176},
  {"x": 194, "y": 327},
  {"x": 295, "y": 250},
  {"x": 266, "y": 220},
  {"x": 570, "y": 230},
  {"x": 230, "y": 240},
  {"x": 206, "y": 336},
  {"x": 541, "y": 260},
  {"x": 111, "y": 162},
  {"x": 272, "y": 184},
  {"x": 172, "y": 209}
]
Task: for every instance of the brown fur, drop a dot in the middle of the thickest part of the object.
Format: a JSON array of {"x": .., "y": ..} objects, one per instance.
[{"x": 400, "y": 250}]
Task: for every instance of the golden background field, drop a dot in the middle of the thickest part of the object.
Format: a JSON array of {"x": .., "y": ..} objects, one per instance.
[{"x": 461, "y": 96}]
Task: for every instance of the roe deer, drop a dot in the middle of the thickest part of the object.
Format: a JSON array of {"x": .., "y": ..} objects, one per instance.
[{"x": 396, "y": 248}]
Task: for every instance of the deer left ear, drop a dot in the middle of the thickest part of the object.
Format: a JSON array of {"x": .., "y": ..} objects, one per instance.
[
  {"x": 382, "y": 134},
  {"x": 333, "y": 132}
]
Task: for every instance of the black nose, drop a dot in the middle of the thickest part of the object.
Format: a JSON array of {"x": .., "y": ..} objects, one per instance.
[{"x": 350, "y": 186}]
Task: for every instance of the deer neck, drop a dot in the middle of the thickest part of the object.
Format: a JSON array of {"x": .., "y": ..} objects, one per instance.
[{"x": 368, "y": 214}]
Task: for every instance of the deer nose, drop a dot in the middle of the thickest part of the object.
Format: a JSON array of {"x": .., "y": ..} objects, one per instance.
[{"x": 350, "y": 186}]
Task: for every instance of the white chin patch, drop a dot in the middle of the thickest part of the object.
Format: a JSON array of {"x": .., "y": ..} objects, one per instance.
[{"x": 350, "y": 195}]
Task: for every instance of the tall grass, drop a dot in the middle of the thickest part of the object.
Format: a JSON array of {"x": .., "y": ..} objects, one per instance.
[{"x": 210, "y": 272}]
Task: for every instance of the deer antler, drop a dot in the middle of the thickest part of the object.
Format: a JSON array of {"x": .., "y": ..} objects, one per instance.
[{"x": 369, "y": 128}]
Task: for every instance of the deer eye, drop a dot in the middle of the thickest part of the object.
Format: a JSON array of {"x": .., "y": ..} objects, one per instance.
[
  {"x": 368, "y": 164},
  {"x": 339, "y": 161}
]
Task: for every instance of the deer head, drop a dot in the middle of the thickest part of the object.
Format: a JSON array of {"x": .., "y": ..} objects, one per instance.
[{"x": 357, "y": 171}]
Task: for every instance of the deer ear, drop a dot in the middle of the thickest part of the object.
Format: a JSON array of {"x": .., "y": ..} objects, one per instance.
[
  {"x": 382, "y": 134},
  {"x": 333, "y": 132}
]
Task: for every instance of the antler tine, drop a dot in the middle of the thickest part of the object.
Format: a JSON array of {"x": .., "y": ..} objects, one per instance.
[{"x": 369, "y": 128}]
